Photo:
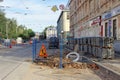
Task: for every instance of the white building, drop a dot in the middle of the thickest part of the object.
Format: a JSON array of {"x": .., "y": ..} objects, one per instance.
[
  {"x": 51, "y": 32},
  {"x": 37, "y": 34}
]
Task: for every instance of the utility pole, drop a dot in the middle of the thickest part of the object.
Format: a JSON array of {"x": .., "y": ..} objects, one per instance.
[
  {"x": 7, "y": 29},
  {"x": 1, "y": 0},
  {"x": 61, "y": 50}
]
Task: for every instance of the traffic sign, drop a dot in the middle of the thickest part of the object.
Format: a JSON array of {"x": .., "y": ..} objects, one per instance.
[{"x": 43, "y": 52}]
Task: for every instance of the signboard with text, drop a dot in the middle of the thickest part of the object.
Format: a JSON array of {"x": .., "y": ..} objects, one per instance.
[
  {"x": 111, "y": 13},
  {"x": 95, "y": 21}
]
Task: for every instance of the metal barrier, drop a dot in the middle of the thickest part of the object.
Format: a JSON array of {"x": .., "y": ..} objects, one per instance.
[
  {"x": 100, "y": 47},
  {"x": 34, "y": 44}
]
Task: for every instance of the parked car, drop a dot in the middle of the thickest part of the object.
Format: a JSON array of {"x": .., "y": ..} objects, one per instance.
[{"x": 53, "y": 42}]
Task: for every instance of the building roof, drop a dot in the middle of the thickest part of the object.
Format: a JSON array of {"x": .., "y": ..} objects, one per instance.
[
  {"x": 65, "y": 10},
  {"x": 51, "y": 28}
]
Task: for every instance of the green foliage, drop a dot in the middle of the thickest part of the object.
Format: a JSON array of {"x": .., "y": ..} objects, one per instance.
[
  {"x": 27, "y": 34},
  {"x": 31, "y": 33},
  {"x": 3, "y": 20},
  {"x": 14, "y": 30}
]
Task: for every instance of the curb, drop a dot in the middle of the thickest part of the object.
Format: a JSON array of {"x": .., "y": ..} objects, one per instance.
[{"x": 106, "y": 72}]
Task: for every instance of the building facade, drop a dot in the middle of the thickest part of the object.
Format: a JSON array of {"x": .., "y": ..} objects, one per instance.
[
  {"x": 63, "y": 24},
  {"x": 51, "y": 32},
  {"x": 94, "y": 18},
  {"x": 37, "y": 35}
]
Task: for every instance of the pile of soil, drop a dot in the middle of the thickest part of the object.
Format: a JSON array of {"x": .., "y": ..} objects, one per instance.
[{"x": 54, "y": 61}]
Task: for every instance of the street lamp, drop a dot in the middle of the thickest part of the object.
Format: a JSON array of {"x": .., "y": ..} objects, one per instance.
[{"x": 61, "y": 49}]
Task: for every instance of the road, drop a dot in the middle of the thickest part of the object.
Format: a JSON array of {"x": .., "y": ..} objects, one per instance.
[
  {"x": 11, "y": 58},
  {"x": 15, "y": 65}
]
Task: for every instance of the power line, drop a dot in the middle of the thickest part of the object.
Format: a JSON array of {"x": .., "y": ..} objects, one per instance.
[{"x": 24, "y": 4}]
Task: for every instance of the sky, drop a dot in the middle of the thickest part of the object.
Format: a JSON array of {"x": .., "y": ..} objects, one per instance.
[{"x": 34, "y": 14}]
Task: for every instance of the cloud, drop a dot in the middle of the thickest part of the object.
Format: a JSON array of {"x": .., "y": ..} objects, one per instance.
[{"x": 38, "y": 13}]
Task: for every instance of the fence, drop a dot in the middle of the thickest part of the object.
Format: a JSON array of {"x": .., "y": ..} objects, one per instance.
[
  {"x": 100, "y": 47},
  {"x": 36, "y": 50}
]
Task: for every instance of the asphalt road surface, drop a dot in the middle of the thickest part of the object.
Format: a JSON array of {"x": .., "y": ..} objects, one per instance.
[
  {"x": 11, "y": 58},
  {"x": 14, "y": 65}
]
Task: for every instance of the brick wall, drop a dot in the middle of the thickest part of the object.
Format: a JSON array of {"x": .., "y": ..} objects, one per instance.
[{"x": 83, "y": 10}]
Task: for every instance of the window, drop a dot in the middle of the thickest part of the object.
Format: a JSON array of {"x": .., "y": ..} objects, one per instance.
[
  {"x": 114, "y": 28},
  {"x": 68, "y": 16},
  {"x": 106, "y": 25}
]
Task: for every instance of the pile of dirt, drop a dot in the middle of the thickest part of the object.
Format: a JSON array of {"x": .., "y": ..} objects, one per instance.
[
  {"x": 54, "y": 61},
  {"x": 75, "y": 65}
]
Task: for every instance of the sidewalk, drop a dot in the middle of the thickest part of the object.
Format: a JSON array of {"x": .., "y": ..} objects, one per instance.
[
  {"x": 28, "y": 71},
  {"x": 108, "y": 69},
  {"x": 112, "y": 65},
  {"x": 18, "y": 73}
]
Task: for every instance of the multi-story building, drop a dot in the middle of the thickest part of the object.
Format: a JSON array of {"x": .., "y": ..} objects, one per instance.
[
  {"x": 51, "y": 32},
  {"x": 93, "y": 18},
  {"x": 63, "y": 24},
  {"x": 37, "y": 35}
]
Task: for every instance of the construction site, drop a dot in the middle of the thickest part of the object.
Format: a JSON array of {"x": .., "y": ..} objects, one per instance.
[
  {"x": 60, "y": 40},
  {"x": 76, "y": 63}
]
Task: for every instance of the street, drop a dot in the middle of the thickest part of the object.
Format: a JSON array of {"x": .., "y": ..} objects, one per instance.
[
  {"x": 11, "y": 58},
  {"x": 16, "y": 64},
  {"x": 59, "y": 39}
]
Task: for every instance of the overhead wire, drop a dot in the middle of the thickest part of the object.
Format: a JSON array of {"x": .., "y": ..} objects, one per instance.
[
  {"x": 4, "y": 8},
  {"x": 24, "y": 5}
]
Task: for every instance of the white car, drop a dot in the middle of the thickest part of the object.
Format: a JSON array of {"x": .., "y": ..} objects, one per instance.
[{"x": 19, "y": 40}]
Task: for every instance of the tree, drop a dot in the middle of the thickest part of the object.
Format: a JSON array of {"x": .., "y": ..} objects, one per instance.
[
  {"x": 3, "y": 20},
  {"x": 13, "y": 29},
  {"x": 31, "y": 33}
]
